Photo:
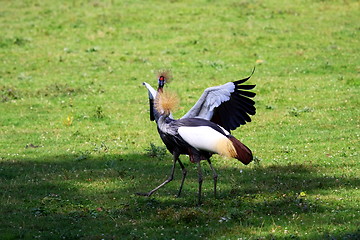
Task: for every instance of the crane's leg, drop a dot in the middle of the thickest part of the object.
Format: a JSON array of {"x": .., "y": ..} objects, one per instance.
[
  {"x": 215, "y": 176},
  {"x": 169, "y": 179},
  {"x": 200, "y": 175},
  {"x": 183, "y": 176}
]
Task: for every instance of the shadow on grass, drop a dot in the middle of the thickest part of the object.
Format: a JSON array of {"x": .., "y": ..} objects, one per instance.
[{"x": 93, "y": 198}]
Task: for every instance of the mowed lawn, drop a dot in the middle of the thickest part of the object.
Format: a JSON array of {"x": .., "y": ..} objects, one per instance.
[{"x": 77, "y": 143}]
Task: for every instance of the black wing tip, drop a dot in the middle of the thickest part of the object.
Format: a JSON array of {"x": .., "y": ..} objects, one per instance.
[
  {"x": 245, "y": 79},
  {"x": 245, "y": 87},
  {"x": 253, "y": 71}
]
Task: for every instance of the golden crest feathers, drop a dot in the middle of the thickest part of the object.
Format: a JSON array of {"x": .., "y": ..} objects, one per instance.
[{"x": 166, "y": 101}]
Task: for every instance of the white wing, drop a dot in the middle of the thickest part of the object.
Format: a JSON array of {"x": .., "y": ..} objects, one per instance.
[
  {"x": 202, "y": 137},
  {"x": 207, "y": 139}
]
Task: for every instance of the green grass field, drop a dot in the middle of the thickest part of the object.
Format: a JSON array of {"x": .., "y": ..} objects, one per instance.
[{"x": 77, "y": 144}]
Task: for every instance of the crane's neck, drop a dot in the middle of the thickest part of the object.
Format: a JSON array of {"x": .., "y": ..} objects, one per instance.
[
  {"x": 160, "y": 89},
  {"x": 159, "y": 113},
  {"x": 165, "y": 124}
]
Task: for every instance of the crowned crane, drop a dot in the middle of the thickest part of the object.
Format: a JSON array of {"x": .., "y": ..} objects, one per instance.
[{"x": 205, "y": 129}]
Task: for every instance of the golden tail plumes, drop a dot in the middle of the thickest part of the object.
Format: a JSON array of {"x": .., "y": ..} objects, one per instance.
[
  {"x": 243, "y": 153},
  {"x": 226, "y": 148}
]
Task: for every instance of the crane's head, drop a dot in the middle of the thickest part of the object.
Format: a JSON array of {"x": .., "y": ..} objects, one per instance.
[
  {"x": 163, "y": 77},
  {"x": 161, "y": 81}
]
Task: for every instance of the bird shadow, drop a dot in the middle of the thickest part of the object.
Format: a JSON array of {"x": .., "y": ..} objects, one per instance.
[{"x": 46, "y": 188}]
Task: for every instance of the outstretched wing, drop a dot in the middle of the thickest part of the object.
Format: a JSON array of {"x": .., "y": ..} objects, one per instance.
[{"x": 228, "y": 105}]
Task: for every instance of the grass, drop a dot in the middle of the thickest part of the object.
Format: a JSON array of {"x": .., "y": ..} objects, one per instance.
[{"x": 77, "y": 143}]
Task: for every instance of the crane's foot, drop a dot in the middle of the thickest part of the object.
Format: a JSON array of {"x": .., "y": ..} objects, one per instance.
[
  {"x": 179, "y": 192},
  {"x": 143, "y": 194}
]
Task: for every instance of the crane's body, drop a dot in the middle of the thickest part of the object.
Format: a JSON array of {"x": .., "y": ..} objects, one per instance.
[
  {"x": 205, "y": 129},
  {"x": 199, "y": 138}
]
